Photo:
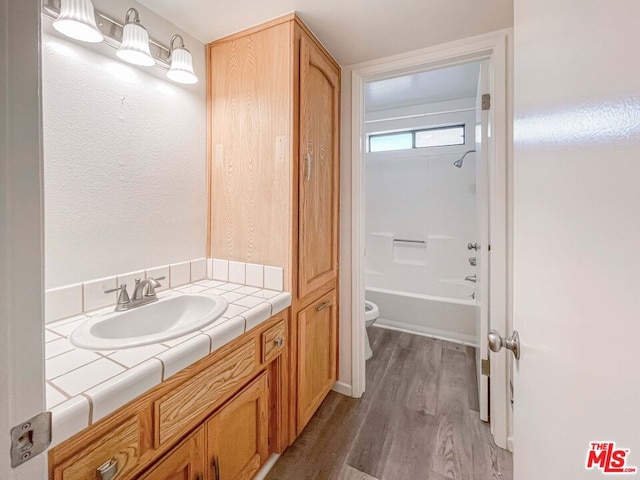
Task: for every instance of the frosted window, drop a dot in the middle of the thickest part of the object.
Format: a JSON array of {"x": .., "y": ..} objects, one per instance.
[
  {"x": 428, "y": 137},
  {"x": 440, "y": 137},
  {"x": 391, "y": 141}
]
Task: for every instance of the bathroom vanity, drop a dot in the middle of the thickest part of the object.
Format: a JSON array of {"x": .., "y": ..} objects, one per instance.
[{"x": 217, "y": 419}]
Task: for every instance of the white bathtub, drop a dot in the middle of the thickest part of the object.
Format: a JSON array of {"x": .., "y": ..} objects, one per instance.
[{"x": 450, "y": 318}]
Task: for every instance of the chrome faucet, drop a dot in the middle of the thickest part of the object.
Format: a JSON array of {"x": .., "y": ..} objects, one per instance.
[
  {"x": 146, "y": 288},
  {"x": 470, "y": 278},
  {"x": 144, "y": 292}
]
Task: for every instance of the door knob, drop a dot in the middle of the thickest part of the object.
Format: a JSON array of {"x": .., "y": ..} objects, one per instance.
[{"x": 496, "y": 342}]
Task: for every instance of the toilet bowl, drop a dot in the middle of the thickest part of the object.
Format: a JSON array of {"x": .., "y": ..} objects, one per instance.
[{"x": 371, "y": 314}]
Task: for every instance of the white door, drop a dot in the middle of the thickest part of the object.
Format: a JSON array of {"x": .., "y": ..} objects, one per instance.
[
  {"x": 482, "y": 255},
  {"x": 577, "y": 239},
  {"x": 21, "y": 278},
  {"x": 491, "y": 289}
]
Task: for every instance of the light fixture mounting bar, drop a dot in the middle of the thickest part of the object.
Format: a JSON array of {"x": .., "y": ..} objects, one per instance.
[{"x": 112, "y": 31}]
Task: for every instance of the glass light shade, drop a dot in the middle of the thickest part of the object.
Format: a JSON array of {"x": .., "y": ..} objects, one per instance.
[
  {"x": 135, "y": 45},
  {"x": 77, "y": 20},
  {"x": 181, "y": 70}
]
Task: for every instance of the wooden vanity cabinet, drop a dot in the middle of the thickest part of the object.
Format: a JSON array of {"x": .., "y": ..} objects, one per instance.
[
  {"x": 185, "y": 462},
  {"x": 238, "y": 434},
  {"x": 317, "y": 330},
  {"x": 231, "y": 445},
  {"x": 218, "y": 419},
  {"x": 274, "y": 140}
]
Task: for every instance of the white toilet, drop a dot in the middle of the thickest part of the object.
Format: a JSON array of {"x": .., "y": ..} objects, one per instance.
[{"x": 371, "y": 314}]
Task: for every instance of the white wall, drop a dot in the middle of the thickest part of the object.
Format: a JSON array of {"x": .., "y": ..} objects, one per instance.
[
  {"x": 577, "y": 232},
  {"x": 420, "y": 195},
  {"x": 125, "y": 158}
]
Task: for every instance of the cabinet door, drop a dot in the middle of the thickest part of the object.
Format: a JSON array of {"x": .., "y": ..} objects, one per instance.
[
  {"x": 185, "y": 462},
  {"x": 317, "y": 355},
  {"x": 238, "y": 435},
  {"x": 318, "y": 171}
]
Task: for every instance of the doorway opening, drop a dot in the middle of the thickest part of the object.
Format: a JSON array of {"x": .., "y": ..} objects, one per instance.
[{"x": 429, "y": 205}]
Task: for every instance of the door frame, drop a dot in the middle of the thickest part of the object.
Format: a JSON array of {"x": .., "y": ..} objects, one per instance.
[
  {"x": 496, "y": 48},
  {"x": 21, "y": 230}
]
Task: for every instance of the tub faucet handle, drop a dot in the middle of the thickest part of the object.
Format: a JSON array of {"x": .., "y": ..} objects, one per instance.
[
  {"x": 473, "y": 246},
  {"x": 473, "y": 261}
]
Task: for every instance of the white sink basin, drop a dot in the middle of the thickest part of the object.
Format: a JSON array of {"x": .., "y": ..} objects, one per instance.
[{"x": 168, "y": 318}]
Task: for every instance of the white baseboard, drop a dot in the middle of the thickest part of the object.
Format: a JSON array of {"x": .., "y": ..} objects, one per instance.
[
  {"x": 343, "y": 388},
  {"x": 426, "y": 332},
  {"x": 266, "y": 468}
]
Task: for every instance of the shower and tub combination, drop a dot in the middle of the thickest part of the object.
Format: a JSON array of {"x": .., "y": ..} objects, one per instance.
[{"x": 420, "y": 244}]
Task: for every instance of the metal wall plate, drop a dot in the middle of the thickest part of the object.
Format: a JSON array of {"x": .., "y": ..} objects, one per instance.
[{"x": 30, "y": 438}]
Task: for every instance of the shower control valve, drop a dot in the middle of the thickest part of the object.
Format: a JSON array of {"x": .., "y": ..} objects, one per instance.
[
  {"x": 473, "y": 246},
  {"x": 473, "y": 261}
]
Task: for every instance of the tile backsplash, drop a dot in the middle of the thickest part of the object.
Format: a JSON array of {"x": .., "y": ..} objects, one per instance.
[{"x": 71, "y": 300}]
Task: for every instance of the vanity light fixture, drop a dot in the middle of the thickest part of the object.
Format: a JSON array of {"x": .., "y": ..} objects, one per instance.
[
  {"x": 77, "y": 20},
  {"x": 135, "y": 41},
  {"x": 181, "y": 69}
]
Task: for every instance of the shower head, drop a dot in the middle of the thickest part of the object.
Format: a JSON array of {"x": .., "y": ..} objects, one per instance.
[{"x": 458, "y": 163}]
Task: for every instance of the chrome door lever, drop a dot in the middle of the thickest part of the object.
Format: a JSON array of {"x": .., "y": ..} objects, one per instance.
[{"x": 496, "y": 342}]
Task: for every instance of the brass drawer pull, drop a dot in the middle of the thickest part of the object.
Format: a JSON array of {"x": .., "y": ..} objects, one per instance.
[
  {"x": 278, "y": 342},
  {"x": 322, "y": 306},
  {"x": 107, "y": 470}
]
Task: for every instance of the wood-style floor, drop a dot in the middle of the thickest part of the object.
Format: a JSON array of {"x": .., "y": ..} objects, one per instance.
[{"x": 417, "y": 420}]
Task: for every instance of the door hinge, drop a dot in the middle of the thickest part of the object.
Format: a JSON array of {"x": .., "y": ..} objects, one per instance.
[
  {"x": 486, "y": 368},
  {"x": 30, "y": 438},
  {"x": 486, "y": 101}
]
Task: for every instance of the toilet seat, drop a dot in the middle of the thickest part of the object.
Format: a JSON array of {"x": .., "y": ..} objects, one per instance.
[{"x": 371, "y": 312}]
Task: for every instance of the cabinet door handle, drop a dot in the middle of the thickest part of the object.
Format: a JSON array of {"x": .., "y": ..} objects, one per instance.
[
  {"x": 107, "y": 470},
  {"x": 278, "y": 342},
  {"x": 215, "y": 464},
  {"x": 308, "y": 164},
  {"x": 198, "y": 477},
  {"x": 322, "y": 306}
]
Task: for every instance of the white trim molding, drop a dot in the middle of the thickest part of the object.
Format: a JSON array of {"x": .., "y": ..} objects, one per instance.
[
  {"x": 493, "y": 47},
  {"x": 343, "y": 388},
  {"x": 21, "y": 230}
]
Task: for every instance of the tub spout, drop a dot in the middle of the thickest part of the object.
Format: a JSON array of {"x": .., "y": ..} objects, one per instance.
[{"x": 470, "y": 278}]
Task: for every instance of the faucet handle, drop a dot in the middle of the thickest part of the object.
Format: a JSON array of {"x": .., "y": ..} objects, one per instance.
[
  {"x": 123, "y": 296},
  {"x": 153, "y": 284}
]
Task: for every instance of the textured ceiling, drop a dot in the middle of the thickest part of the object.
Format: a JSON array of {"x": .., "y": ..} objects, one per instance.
[{"x": 353, "y": 31}]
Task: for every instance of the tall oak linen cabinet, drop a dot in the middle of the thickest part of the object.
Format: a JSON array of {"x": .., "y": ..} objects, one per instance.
[{"x": 273, "y": 127}]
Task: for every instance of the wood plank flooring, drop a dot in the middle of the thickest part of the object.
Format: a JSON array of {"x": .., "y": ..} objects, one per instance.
[{"x": 417, "y": 420}]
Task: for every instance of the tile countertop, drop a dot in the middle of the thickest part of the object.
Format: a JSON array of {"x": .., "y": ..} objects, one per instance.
[{"x": 84, "y": 386}]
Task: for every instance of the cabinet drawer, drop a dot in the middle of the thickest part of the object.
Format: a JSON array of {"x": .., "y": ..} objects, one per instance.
[
  {"x": 190, "y": 402},
  {"x": 273, "y": 341},
  {"x": 121, "y": 445}
]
